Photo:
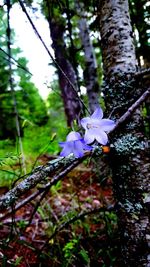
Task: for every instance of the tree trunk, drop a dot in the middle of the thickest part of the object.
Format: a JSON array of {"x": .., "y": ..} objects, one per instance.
[
  {"x": 138, "y": 14},
  {"x": 90, "y": 71},
  {"x": 129, "y": 158},
  {"x": 70, "y": 97}
]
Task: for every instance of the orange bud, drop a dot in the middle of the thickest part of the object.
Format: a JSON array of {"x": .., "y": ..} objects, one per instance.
[{"x": 106, "y": 149}]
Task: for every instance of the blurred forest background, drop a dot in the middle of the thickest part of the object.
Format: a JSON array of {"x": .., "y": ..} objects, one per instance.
[{"x": 65, "y": 227}]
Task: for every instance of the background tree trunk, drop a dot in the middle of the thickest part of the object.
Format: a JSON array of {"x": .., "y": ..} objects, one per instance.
[
  {"x": 90, "y": 71},
  {"x": 140, "y": 16},
  {"x": 70, "y": 97},
  {"x": 129, "y": 159}
]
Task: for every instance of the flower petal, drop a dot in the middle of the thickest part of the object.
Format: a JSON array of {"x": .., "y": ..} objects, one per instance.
[
  {"x": 89, "y": 137},
  {"x": 101, "y": 137},
  {"x": 78, "y": 149},
  {"x": 106, "y": 125},
  {"x": 85, "y": 146},
  {"x": 88, "y": 148},
  {"x": 67, "y": 150},
  {"x": 85, "y": 121},
  {"x": 62, "y": 144},
  {"x": 98, "y": 114},
  {"x": 72, "y": 136}
]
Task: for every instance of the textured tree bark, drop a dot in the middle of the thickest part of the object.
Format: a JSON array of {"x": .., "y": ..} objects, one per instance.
[
  {"x": 72, "y": 104},
  {"x": 90, "y": 71},
  {"x": 116, "y": 33},
  {"x": 129, "y": 159}
]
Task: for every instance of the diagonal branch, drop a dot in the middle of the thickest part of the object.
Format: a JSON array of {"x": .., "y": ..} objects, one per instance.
[
  {"x": 39, "y": 175},
  {"x": 131, "y": 110},
  {"x": 14, "y": 61},
  {"x": 43, "y": 190}
]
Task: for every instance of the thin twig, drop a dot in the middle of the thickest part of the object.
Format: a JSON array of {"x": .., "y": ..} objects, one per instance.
[
  {"x": 17, "y": 64},
  {"x": 79, "y": 216}
]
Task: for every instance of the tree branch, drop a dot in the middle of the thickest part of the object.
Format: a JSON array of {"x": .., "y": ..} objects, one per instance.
[
  {"x": 43, "y": 190},
  {"x": 39, "y": 175},
  {"x": 14, "y": 61},
  {"x": 131, "y": 110}
]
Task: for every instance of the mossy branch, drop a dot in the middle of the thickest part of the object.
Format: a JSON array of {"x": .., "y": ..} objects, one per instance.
[
  {"x": 39, "y": 175},
  {"x": 43, "y": 189}
]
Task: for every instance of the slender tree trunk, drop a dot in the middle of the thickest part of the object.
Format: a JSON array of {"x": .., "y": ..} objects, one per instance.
[
  {"x": 18, "y": 129},
  {"x": 72, "y": 47},
  {"x": 70, "y": 97},
  {"x": 90, "y": 71},
  {"x": 129, "y": 159},
  {"x": 138, "y": 13}
]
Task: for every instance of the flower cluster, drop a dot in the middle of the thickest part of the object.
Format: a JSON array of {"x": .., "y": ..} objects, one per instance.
[{"x": 96, "y": 129}]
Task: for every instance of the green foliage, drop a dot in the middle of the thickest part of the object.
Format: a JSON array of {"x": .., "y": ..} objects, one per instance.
[
  {"x": 22, "y": 224},
  {"x": 30, "y": 105},
  {"x": 8, "y": 161},
  {"x": 56, "y": 188},
  {"x": 70, "y": 248},
  {"x": 140, "y": 16},
  {"x": 84, "y": 255},
  {"x": 17, "y": 261},
  {"x": 37, "y": 140}
]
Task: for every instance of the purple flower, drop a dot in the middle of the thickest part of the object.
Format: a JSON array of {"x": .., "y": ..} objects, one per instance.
[
  {"x": 74, "y": 144},
  {"x": 96, "y": 127}
]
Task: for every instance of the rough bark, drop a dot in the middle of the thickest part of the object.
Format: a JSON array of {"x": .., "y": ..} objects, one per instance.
[
  {"x": 116, "y": 33},
  {"x": 90, "y": 71},
  {"x": 129, "y": 159},
  {"x": 72, "y": 104}
]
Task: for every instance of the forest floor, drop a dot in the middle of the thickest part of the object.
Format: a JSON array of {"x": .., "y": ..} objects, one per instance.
[{"x": 53, "y": 238}]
